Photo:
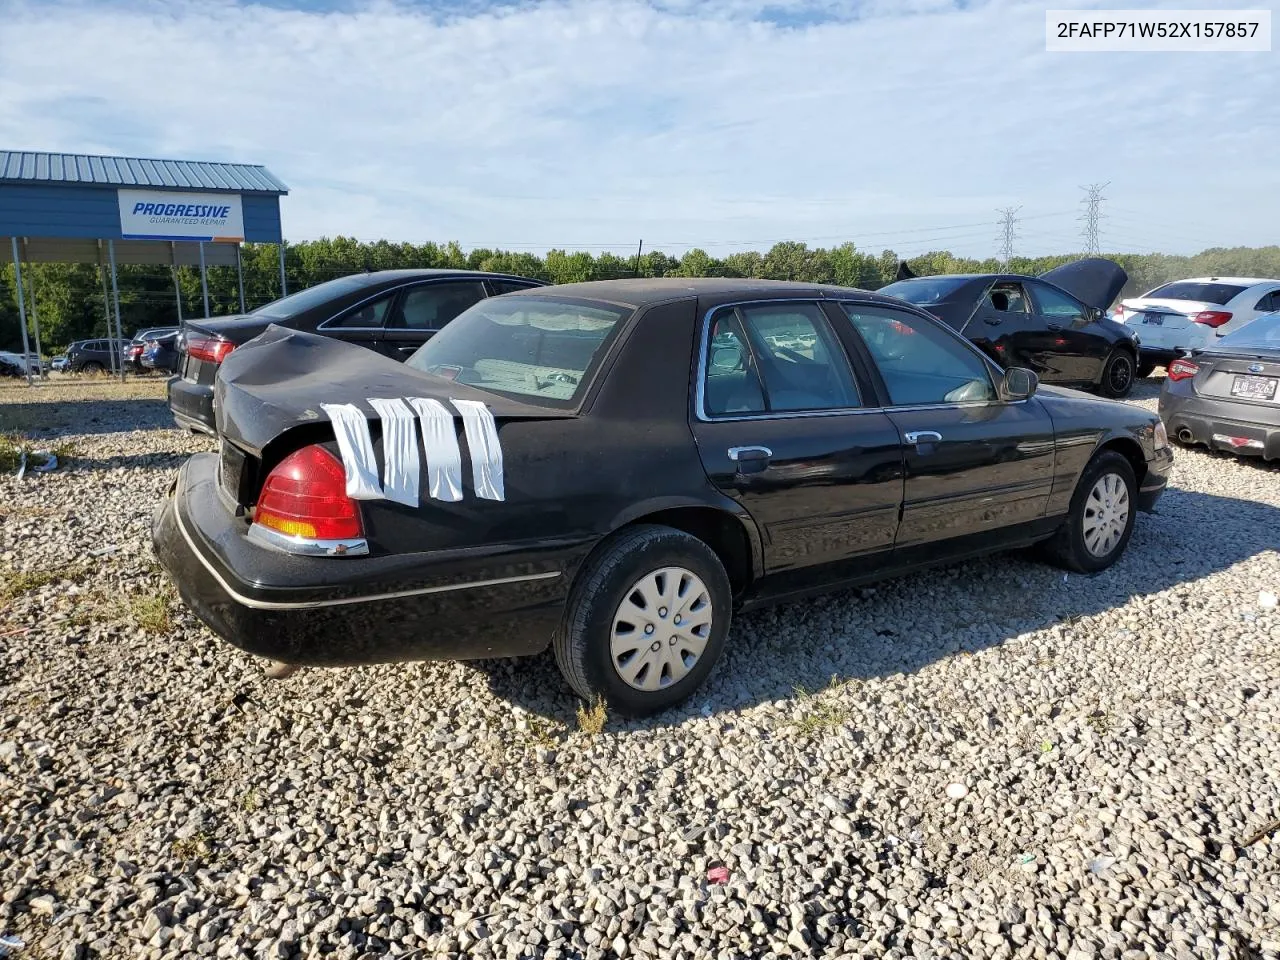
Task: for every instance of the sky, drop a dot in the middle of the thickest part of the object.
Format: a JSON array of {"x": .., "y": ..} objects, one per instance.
[{"x": 722, "y": 124}]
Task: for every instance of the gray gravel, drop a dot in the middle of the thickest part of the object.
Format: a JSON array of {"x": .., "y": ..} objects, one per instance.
[{"x": 986, "y": 761}]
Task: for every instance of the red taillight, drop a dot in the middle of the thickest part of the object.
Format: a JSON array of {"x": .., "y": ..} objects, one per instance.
[
  {"x": 306, "y": 496},
  {"x": 1182, "y": 369},
  {"x": 208, "y": 348},
  {"x": 1118, "y": 316},
  {"x": 1212, "y": 318}
]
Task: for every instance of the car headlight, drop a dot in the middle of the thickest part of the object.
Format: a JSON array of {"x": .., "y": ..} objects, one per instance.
[{"x": 1160, "y": 435}]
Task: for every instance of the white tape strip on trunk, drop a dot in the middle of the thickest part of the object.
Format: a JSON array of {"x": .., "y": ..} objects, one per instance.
[
  {"x": 486, "y": 452},
  {"x": 399, "y": 451},
  {"x": 440, "y": 441},
  {"x": 352, "y": 430}
]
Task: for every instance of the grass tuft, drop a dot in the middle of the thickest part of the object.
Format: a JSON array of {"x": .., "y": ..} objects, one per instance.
[
  {"x": 151, "y": 613},
  {"x": 591, "y": 719},
  {"x": 198, "y": 846}
]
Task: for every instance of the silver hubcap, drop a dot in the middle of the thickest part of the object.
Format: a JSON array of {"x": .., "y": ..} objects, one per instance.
[
  {"x": 1106, "y": 514},
  {"x": 661, "y": 628}
]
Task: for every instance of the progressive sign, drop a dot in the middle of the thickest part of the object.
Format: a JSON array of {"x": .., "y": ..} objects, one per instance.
[{"x": 169, "y": 215}]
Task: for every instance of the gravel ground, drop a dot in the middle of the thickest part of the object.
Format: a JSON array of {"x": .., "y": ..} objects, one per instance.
[{"x": 985, "y": 761}]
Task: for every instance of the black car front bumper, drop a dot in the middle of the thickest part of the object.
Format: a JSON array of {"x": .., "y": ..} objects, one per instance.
[
  {"x": 1193, "y": 419},
  {"x": 336, "y": 611}
]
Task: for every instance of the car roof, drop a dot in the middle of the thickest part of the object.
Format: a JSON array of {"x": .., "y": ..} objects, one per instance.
[
  {"x": 1241, "y": 281},
  {"x": 378, "y": 276},
  {"x": 644, "y": 291}
]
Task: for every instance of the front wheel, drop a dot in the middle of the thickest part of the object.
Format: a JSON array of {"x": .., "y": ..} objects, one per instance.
[
  {"x": 1117, "y": 375},
  {"x": 646, "y": 621},
  {"x": 93, "y": 367},
  {"x": 1101, "y": 517}
]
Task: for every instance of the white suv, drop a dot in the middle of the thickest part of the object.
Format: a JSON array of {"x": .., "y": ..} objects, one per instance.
[{"x": 1186, "y": 314}]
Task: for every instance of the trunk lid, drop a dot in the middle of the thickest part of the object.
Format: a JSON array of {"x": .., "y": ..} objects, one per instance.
[
  {"x": 1244, "y": 376},
  {"x": 279, "y": 380}
]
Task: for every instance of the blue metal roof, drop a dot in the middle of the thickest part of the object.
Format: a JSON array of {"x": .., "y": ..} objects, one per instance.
[{"x": 88, "y": 170}]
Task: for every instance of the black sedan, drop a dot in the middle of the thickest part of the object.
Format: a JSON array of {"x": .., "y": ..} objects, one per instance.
[
  {"x": 1227, "y": 396},
  {"x": 1055, "y": 324},
  {"x": 393, "y": 312},
  {"x": 613, "y": 468}
]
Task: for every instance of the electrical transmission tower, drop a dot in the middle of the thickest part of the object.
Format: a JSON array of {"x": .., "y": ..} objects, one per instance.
[
  {"x": 1009, "y": 233},
  {"x": 1092, "y": 215}
]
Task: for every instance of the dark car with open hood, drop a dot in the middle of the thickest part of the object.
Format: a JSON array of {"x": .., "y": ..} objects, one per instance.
[
  {"x": 1054, "y": 325},
  {"x": 392, "y": 312},
  {"x": 1227, "y": 396},
  {"x": 612, "y": 469}
]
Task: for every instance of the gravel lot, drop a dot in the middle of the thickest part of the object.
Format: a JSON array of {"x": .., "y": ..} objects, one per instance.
[{"x": 986, "y": 761}]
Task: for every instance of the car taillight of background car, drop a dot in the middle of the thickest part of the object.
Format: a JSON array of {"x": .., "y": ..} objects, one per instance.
[
  {"x": 210, "y": 349},
  {"x": 1212, "y": 318},
  {"x": 1182, "y": 369}
]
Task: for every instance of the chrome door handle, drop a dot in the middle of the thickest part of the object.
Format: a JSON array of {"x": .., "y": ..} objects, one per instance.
[
  {"x": 924, "y": 436},
  {"x": 740, "y": 454}
]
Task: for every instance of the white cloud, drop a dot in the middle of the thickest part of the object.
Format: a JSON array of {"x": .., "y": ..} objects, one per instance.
[{"x": 597, "y": 122}]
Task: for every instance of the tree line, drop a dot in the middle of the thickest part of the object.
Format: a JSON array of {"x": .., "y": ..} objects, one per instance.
[{"x": 71, "y": 304}]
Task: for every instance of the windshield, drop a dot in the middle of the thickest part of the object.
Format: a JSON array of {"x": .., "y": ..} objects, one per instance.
[
  {"x": 1260, "y": 334},
  {"x": 296, "y": 303},
  {"x": 924, "y": 289},
  {"x": 1218, "y": 293},
  {"x": 541, "y": 350}
]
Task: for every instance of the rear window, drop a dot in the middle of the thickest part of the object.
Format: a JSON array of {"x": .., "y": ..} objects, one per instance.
[
  {"x": 296, "y": 303},
  {"x": 924, "y": 289},
  {"x": 538, "y": 350},
  {"x": 1218, "y": 293}
]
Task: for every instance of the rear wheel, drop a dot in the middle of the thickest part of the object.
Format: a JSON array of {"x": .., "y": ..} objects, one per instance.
[
  {"x": 1117, "y": 374},
  {"x": 1101, "y": 518},
  {"x": 646, "y": 621},
  {"x": 92, "y": 367}
]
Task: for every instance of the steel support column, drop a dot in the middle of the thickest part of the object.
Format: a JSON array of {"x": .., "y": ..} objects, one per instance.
[
  {"x": 22, "y": 310},
  {"x": 118, "y": 344}
]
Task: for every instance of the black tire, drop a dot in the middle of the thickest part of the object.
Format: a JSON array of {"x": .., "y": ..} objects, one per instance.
[
  {"x": 1117, "y": 375},
  {"x": 1068, "y": 548},
  {"x": 93, "y": 367},
  {"x": 1145, "y": 370},
  {"x": 582, "y": 645}
]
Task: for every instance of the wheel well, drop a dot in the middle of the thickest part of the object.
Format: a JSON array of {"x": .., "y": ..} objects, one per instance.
[
  {"x": 721, "y": 531},
  {"x": 1131, "y": 451}
]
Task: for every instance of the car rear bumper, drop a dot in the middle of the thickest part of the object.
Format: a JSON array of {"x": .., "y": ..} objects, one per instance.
[
  {"x": 1193, "y": 419},
  {"x": 191, "y": 404},
  {"x": 335, "y": 611}
]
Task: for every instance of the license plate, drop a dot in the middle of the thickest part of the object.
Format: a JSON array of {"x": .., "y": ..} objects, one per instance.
[
  {"x": 1254, "y": 388},
  {"x": 1154, "y": 319}
]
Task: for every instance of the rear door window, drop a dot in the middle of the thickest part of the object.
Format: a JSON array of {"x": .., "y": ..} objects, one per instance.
[
  {"x": 775, "y": 358},
  {"x": 366, "y": 316}
]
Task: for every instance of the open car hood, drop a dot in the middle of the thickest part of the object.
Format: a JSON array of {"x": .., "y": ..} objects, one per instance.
[
  {"x": 1095, "y": 281},
  {"x": 279, "y": 379}
]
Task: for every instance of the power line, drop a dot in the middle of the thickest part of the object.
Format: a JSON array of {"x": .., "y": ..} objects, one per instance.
[{"x": 1092, "y": 215}]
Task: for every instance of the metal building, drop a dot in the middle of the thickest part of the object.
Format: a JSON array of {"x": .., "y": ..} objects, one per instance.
[{"x": 107, "y": 210}]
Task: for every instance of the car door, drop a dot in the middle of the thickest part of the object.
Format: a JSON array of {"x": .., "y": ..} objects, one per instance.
[
  {"x": 978, "y": 470},
  {"x": 1007, "y": 330},
  {"x": 784, "y": 426},
  {"x": 1076, "y": 349},
  {"x": 362, "y": 322},
  {"x": 422, "y": 310}
]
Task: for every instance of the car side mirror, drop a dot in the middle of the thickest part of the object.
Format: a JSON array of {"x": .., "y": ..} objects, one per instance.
[{"x": 1018, "y": 383}]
